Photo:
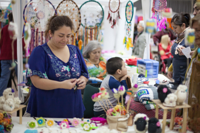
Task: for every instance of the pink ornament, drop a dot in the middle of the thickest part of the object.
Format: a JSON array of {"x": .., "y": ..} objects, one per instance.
[
  {"x": 64, "y": 125},
  {"x": 158, "y": 124},
  {"x": 164, "y": 90},
  {"x": 109, "y": 112},
  {"x": 75, "y": 122}
]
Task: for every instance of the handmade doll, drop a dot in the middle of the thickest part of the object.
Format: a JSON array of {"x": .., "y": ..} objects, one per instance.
[{"x": 165, "y": 47}]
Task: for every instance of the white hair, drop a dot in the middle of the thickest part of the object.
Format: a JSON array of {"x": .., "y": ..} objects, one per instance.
[
  {"x": 92, "y": 45},
  {"x": 142, "y": 23}
]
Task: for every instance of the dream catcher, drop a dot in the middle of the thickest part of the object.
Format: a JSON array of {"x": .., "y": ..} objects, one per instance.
[
  {"x": 129, "y": 11},
  {"x": 157, "y": 9},
  {"x": 92, "y": 15},
  {"x": 37, "y": 14},
  {"x": 113, "y": 13},
  {"x": 70, "y": 8}
]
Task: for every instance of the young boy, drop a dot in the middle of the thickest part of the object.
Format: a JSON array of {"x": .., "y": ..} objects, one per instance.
[{"x": 117, "y": 74}]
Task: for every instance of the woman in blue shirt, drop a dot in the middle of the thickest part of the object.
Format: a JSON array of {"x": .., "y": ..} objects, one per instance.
[
  {"x": 57, "y": 72},
  {"x": 180, "y": 23}
]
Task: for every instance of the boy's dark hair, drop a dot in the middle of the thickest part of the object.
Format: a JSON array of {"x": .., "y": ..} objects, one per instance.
[
  {"x": 10, "y": 17},
  {"x": 113, "y": 64}
]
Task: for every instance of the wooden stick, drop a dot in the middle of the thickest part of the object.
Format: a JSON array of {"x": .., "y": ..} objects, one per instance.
[
  {"x": 110, "y": 103},
  {"x": 107, "y": 104},
  {"x": 102, "y": 106}
]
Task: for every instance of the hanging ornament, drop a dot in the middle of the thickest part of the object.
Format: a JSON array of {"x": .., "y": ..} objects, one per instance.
[
  {"x": 27, "y": 38},
  {"x": 13, "y": 32},
  {"x": 150, "y": 26},
  {"x": 70, "y": 8},
  {"x": 37, "y": 13},
  {"x": 92, "y": 15},
  {"x": 113, "y": 13},
  {"x": 129, "y": 11}
]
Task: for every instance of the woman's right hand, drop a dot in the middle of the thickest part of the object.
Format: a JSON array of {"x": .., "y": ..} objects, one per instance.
[
  {"x": 69, "y": 84},
  {"x": 169, "y": 74}
]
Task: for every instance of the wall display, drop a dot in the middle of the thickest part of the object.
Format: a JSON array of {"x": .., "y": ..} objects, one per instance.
[
  {"x": 129, "y": 11},
  {"x": 37, "y": 14},
  {"x": 113, "y": 13},
  {"x": 92, "y": 15}
]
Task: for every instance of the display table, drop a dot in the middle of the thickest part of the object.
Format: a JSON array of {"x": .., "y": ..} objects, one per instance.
[
  {"x": 20, "y": 128},
  {"x": 185, "y": 113}
]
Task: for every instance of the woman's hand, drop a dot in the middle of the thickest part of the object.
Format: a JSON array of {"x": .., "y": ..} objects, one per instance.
[
  {"x": 69, "y": 84},
  {"x": 191, "y": 53},
  {"x": 180, "y": 50},
  {"x": 81, "y": 82},
  {"x": 124, "y": 77},
  {"x": 169, "y": 74}
]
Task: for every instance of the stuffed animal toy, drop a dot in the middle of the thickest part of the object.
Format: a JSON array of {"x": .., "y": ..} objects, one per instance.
[
  {"x": 2, "y": 101},
  {"x": 9, "y": 105},
  {"x": 17, "y": 102},
  {"x": 8, "y": 93},
  {"x": 154, "y": 126},
  {"x": 141, "y": 123},
  {"x": 165, "y": 47},
  {"x": 163, "y": 91},
  {"x": 170, "y": 100},
  {"x": 10, "y": 102},
  {"x": 181, "y": 94}
]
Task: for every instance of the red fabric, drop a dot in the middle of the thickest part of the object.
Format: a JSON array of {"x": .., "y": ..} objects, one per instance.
[
  {"x": 167, "y": 52},
  {"x": 159, "y": 34},
  {"x": 140, "y": 108},
  {"x": 6, "y": 45}
]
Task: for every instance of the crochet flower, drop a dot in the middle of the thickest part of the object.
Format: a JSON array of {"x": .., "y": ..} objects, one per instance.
[
  {"x": 86, "y": 126},
  {"x": 32, "y": 124},
  {"x": 64, "y": 125},
  {"x": 93, "y": 126},
  {"x": 121, "y": 90},
  {"x": 75, "y": 122},
  {"x": 40, "y": 122},
  {"x": 50, "y": 123}
]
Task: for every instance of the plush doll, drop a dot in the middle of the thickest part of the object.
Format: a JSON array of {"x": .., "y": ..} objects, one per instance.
[
  {"x": 10, "y": 102},
  {"x": 2, "y": 101},
  {"x": 154, "y": 126},
  {"x": 9, "y": 105},
  {"x": 17, "y": 102},
  {"x": 163, "y": 91},
  {"x": 8, "y": 93},
  {"x": 170, "y": 100},
  {"x": 181, "y": 94},
  {"x": 141, "y": 123},
  {"x": 165, "y": 47}
]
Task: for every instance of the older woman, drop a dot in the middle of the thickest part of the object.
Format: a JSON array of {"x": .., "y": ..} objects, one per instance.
[
  {"x": 140, "y": 41},
  {"x": 193, "y": 71},
  {"x": 95, "y": 64}
]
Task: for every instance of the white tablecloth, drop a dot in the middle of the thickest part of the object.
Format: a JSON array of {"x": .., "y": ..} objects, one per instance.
[{"x": 21, "y": 128}]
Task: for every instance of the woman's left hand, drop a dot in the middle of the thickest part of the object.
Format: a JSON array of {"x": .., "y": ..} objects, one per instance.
[
  {"x": 81, "y": 82},
  {"x": 180, "y": 50}
]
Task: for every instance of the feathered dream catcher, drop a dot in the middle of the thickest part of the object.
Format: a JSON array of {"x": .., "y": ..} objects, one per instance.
[
  {"x": 92, "y": 14},
  {"x": 70, "y": 8},
  {"x": 113, "y": 13},
  {"x": 37, "y": 15},
  {"x": 129, "y": 11},
  {"x": 157, "y": 9}
]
